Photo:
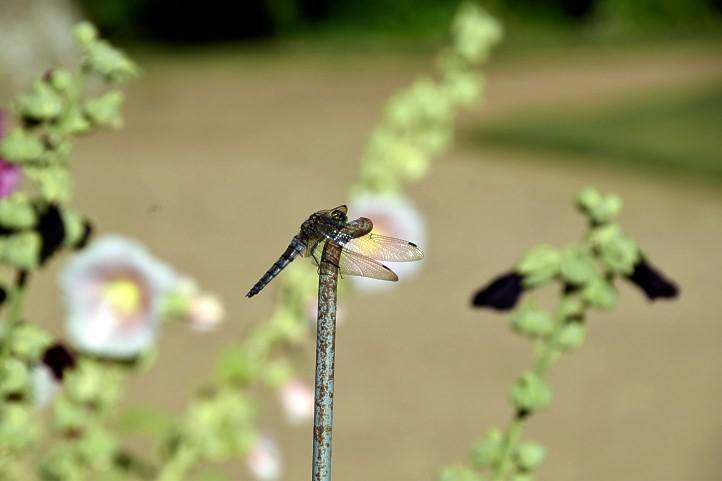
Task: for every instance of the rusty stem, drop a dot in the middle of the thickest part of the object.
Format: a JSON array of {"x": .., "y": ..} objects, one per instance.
[{"x": 325, "y": 357}]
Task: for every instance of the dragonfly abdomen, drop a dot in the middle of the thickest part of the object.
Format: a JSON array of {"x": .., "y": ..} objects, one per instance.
[{"x": 295, "y": 248}]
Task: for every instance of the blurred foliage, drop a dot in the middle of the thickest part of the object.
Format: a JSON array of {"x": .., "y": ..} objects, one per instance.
[
  {"x": 674, "y": 132},
  {"x": 218, "y": 20}
]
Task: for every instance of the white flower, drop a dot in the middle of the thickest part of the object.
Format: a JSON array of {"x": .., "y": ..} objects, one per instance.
[
  {"x": 206, "y": 312},
  {"x": 112, "y": 292},
  {"x": 296, "y": 398},
  {"x": 44, "y": 384},
  {"x": 264, "y": 459},
  {"x": 393, "y": 216}
]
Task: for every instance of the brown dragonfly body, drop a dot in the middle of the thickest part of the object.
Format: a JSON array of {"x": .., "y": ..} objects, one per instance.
[{"x": 361, "y": 248}]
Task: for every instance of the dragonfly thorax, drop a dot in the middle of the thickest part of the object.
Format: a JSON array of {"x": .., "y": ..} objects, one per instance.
[{"x": 324, "y": 223}]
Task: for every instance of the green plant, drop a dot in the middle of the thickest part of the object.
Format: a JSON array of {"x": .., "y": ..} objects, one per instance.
[{"x": 584, "y": 273}]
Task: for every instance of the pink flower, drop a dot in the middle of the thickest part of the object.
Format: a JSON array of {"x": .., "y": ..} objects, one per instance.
[
  {"x": 264, "y": 460},
  {"x": 206, "y": 312},
  {"x": 296, "y": 398},
  {"x": 10, "y": 174}
]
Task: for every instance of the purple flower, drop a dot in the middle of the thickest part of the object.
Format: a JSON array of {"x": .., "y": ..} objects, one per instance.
[
  {"x": 9, "y": 173},
  {"x": 48, "y": 374},
  {"x": 58, "y": 359},
  {"x": 501, "y": 294},
  {"x": 652, "y": 282}
]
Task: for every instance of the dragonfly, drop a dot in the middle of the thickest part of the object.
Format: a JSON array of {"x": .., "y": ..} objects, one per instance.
[{"x": 362, "y": 250}]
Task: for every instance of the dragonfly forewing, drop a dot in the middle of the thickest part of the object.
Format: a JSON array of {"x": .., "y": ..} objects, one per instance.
[{"x": 383, "y": 248}]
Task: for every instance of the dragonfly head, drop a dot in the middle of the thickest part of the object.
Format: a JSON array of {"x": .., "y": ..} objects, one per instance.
[{"x": 339, "y": 213}]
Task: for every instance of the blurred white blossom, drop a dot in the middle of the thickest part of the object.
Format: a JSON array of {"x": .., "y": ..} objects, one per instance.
[
  {"x": 393, "y": 216},
  {"x": 205, "y": 312},
  {"x": 44, "y": 385},
  {"x": 113, "y": 292},
  {"x": 264, "y": 459},
  {"x": 297, "y": 400}
]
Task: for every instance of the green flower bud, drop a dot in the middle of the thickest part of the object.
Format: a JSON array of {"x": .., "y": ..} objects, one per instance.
[
  {"x": 277, "y": 373},
  {"x": 522, "y": 477},
  {"x": 109, "y": 62},
  {"x": 410, "y": 161},
  {"x": 68, "y": 416},
  {"x": 92, "y": 383},
  {"x": 53, "y": 182},
  {"x": 16, "y": 212},
  {"x": 85, "y": 33},
  {"x": 539, "y": 265},
  {"x": 28, "y": 342},
  {"x": 19, "y": 146},
  {"x": 13, "y": 376},
  {"x": 463, "y": 89},
  {"x": 570, "y": 308},
  {"x": 458, "y": 473},
  {"x": 74, "y": 229},
  {"x": 571, "y": 336},
  {"x": 600, "y": 294},
  {"x": 18, "y": 428},
  {"x": 41, "y": 104},
  {"x": 221, "y": 426},
  {"x": 21, "y": 250},
  {"x": 61, "y": 80},
  {"x": 532, "y": 321},
  {"x": 62, "y": 464},
  {"x": 529, "y": 393},
  {"x": 105, "y": 110},
  {"x": 487, "y": 451},
  {"x": 96, "y": 448},
  {"x": 620, "y": 254},
  {"x": 577, "y": 266},
  {"x": 475, "y": 32},
  {"x": 74, "y": 122},
  {"x": 237, "y": 366},
  {"x": 600, "y": 209},
  {"x": 529, "y": 456}
]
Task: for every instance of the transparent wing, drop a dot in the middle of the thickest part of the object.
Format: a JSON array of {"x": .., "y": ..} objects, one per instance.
[
  {"x": 354, "y": 264},
  {"x": 383, "y": 248}
]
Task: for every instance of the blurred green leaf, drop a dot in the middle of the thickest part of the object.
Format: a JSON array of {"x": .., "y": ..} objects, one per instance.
[
  {"x": 145, "y": 420},
  {"x": 577, "y": 266},
  {"x": 571, "y": 336},
  {"x": 529, "y": 393},
  {"x": 16, "y": 212},
  {"x": 539, "y": 265},
  {"x": 530, "y": 455},
  {"x": 487, "y": 451},
  {"x": 53, "y": 182},
  {"x": 20, "y": 250},
  {"x": 600, "y": 294},
  {"x": 14, "y": 376},
  {"x": 18, "y": 146},
  {"x": 105, "y": 110},
  {"x": 41, "y": 104},
  {"x": 532, "y": 321},
  {"x": 458, "y": 473}
]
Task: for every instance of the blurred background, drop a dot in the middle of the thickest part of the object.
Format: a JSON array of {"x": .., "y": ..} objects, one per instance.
[{"x": 251, "y": 115}]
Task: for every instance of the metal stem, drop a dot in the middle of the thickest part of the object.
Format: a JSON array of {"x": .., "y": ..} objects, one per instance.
[{"x": 325, "y": 357}]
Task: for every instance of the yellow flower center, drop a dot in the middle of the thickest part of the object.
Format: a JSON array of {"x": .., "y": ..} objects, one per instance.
[{"x": 124, "y": 295}]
